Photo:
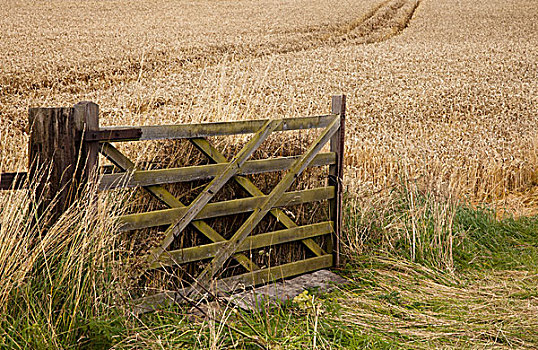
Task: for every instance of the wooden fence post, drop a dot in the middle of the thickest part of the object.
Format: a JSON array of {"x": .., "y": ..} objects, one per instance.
[
  {"x": 58, "y": 160},
  {"x": 336, "y": 174},
  {"x": 86, "y": 115}
]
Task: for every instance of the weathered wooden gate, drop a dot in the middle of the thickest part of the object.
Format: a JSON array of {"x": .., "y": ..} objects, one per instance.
[{"x": 180, "y": 215}]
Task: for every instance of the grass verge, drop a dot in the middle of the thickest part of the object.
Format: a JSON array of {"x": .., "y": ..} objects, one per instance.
[{"x": 466, "y": 280}]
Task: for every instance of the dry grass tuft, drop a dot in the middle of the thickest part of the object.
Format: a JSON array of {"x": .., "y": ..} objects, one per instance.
[{"x": 423, "y": 310}]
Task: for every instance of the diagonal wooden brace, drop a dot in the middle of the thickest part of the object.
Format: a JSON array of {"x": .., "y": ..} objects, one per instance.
[
  {"x": 254, "y": 219},
  {"x": 212, "y": 153},
  {"x": 159, "y": 192},
  {"x": 213, "y": 187}
]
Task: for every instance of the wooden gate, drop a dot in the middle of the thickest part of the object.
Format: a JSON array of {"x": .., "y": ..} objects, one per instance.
[{"x": 179, "y": 215}]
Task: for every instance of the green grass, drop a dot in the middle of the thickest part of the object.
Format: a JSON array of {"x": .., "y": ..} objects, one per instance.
[
  {"x": 403, "y": 293},
  {"x": 441, "y": 233},
  {"x": 54, "y": 283},
  {"x": 497, "y": 244},
  {"x": 488, "y": 300},
  {"x": 280, "y": 327}
]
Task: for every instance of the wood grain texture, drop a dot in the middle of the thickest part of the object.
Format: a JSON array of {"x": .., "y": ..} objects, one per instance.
[
  {"x": 13, "y": 181},
  {"x": 264, "y": 276},
  {"x": 336, "y": 174},
  {"x": 140, "y": 178},
  {"x": 57, "y": 160},
  {"x": 207, "y": 251},
  {"x": 86, "y": 115},
  {"x": 187, "y": 131},
  {"x": 235, "y": 206}
]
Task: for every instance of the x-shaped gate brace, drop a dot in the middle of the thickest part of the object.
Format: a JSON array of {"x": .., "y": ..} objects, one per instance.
[
  {"x": 223, "y": 249},
  {"x": 158, "y": 191},
  {"x": 205, "y": 277}
]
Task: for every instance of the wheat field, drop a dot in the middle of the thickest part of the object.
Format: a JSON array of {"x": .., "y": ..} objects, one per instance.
[
  {"x": 452, "y": 96},
  {"x": 442, "y": 106}
]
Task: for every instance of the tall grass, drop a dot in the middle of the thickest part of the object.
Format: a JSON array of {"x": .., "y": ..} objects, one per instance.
[
  {"x": 430, "y": 223},
  {"x": 64, "y": 284},
  {"x": 413, "y": 218},
  {"x": 56, "y": 278}
]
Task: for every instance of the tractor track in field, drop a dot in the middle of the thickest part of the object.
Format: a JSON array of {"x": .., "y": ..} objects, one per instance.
[{"x": 381, "y": 23}]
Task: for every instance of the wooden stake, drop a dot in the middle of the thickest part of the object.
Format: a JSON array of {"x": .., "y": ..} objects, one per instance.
[
  {"x": 336, "y": 174},
  {"x": 58, "y": 160}
]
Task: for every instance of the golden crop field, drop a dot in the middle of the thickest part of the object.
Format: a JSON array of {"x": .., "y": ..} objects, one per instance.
[
  {"x": 442, "y": 107},
  {"x": 453, "y": 95}
]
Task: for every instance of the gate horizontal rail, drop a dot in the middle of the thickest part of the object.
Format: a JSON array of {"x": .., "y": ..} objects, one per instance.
[
  {"x": 141, "y": 178},
  {"x": 235, "y": 206},
  {"x": 200, "y": 130},
  {"x": 262, "y": 240}
]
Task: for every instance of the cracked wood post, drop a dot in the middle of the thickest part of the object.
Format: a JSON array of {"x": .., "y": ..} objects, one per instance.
[
  {"x": 336, "y": 174},
  {"x": 57, "y": 159}
]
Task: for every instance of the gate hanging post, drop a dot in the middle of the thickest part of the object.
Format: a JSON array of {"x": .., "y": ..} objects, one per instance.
[
  {"x": 336, "y": 174},
  {"x": 86, "y": 115},
  {"x": 59, "y": 159}
]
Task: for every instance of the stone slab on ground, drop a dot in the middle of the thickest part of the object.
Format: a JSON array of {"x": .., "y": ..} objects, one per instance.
[{"x": 284, "y": 291}]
